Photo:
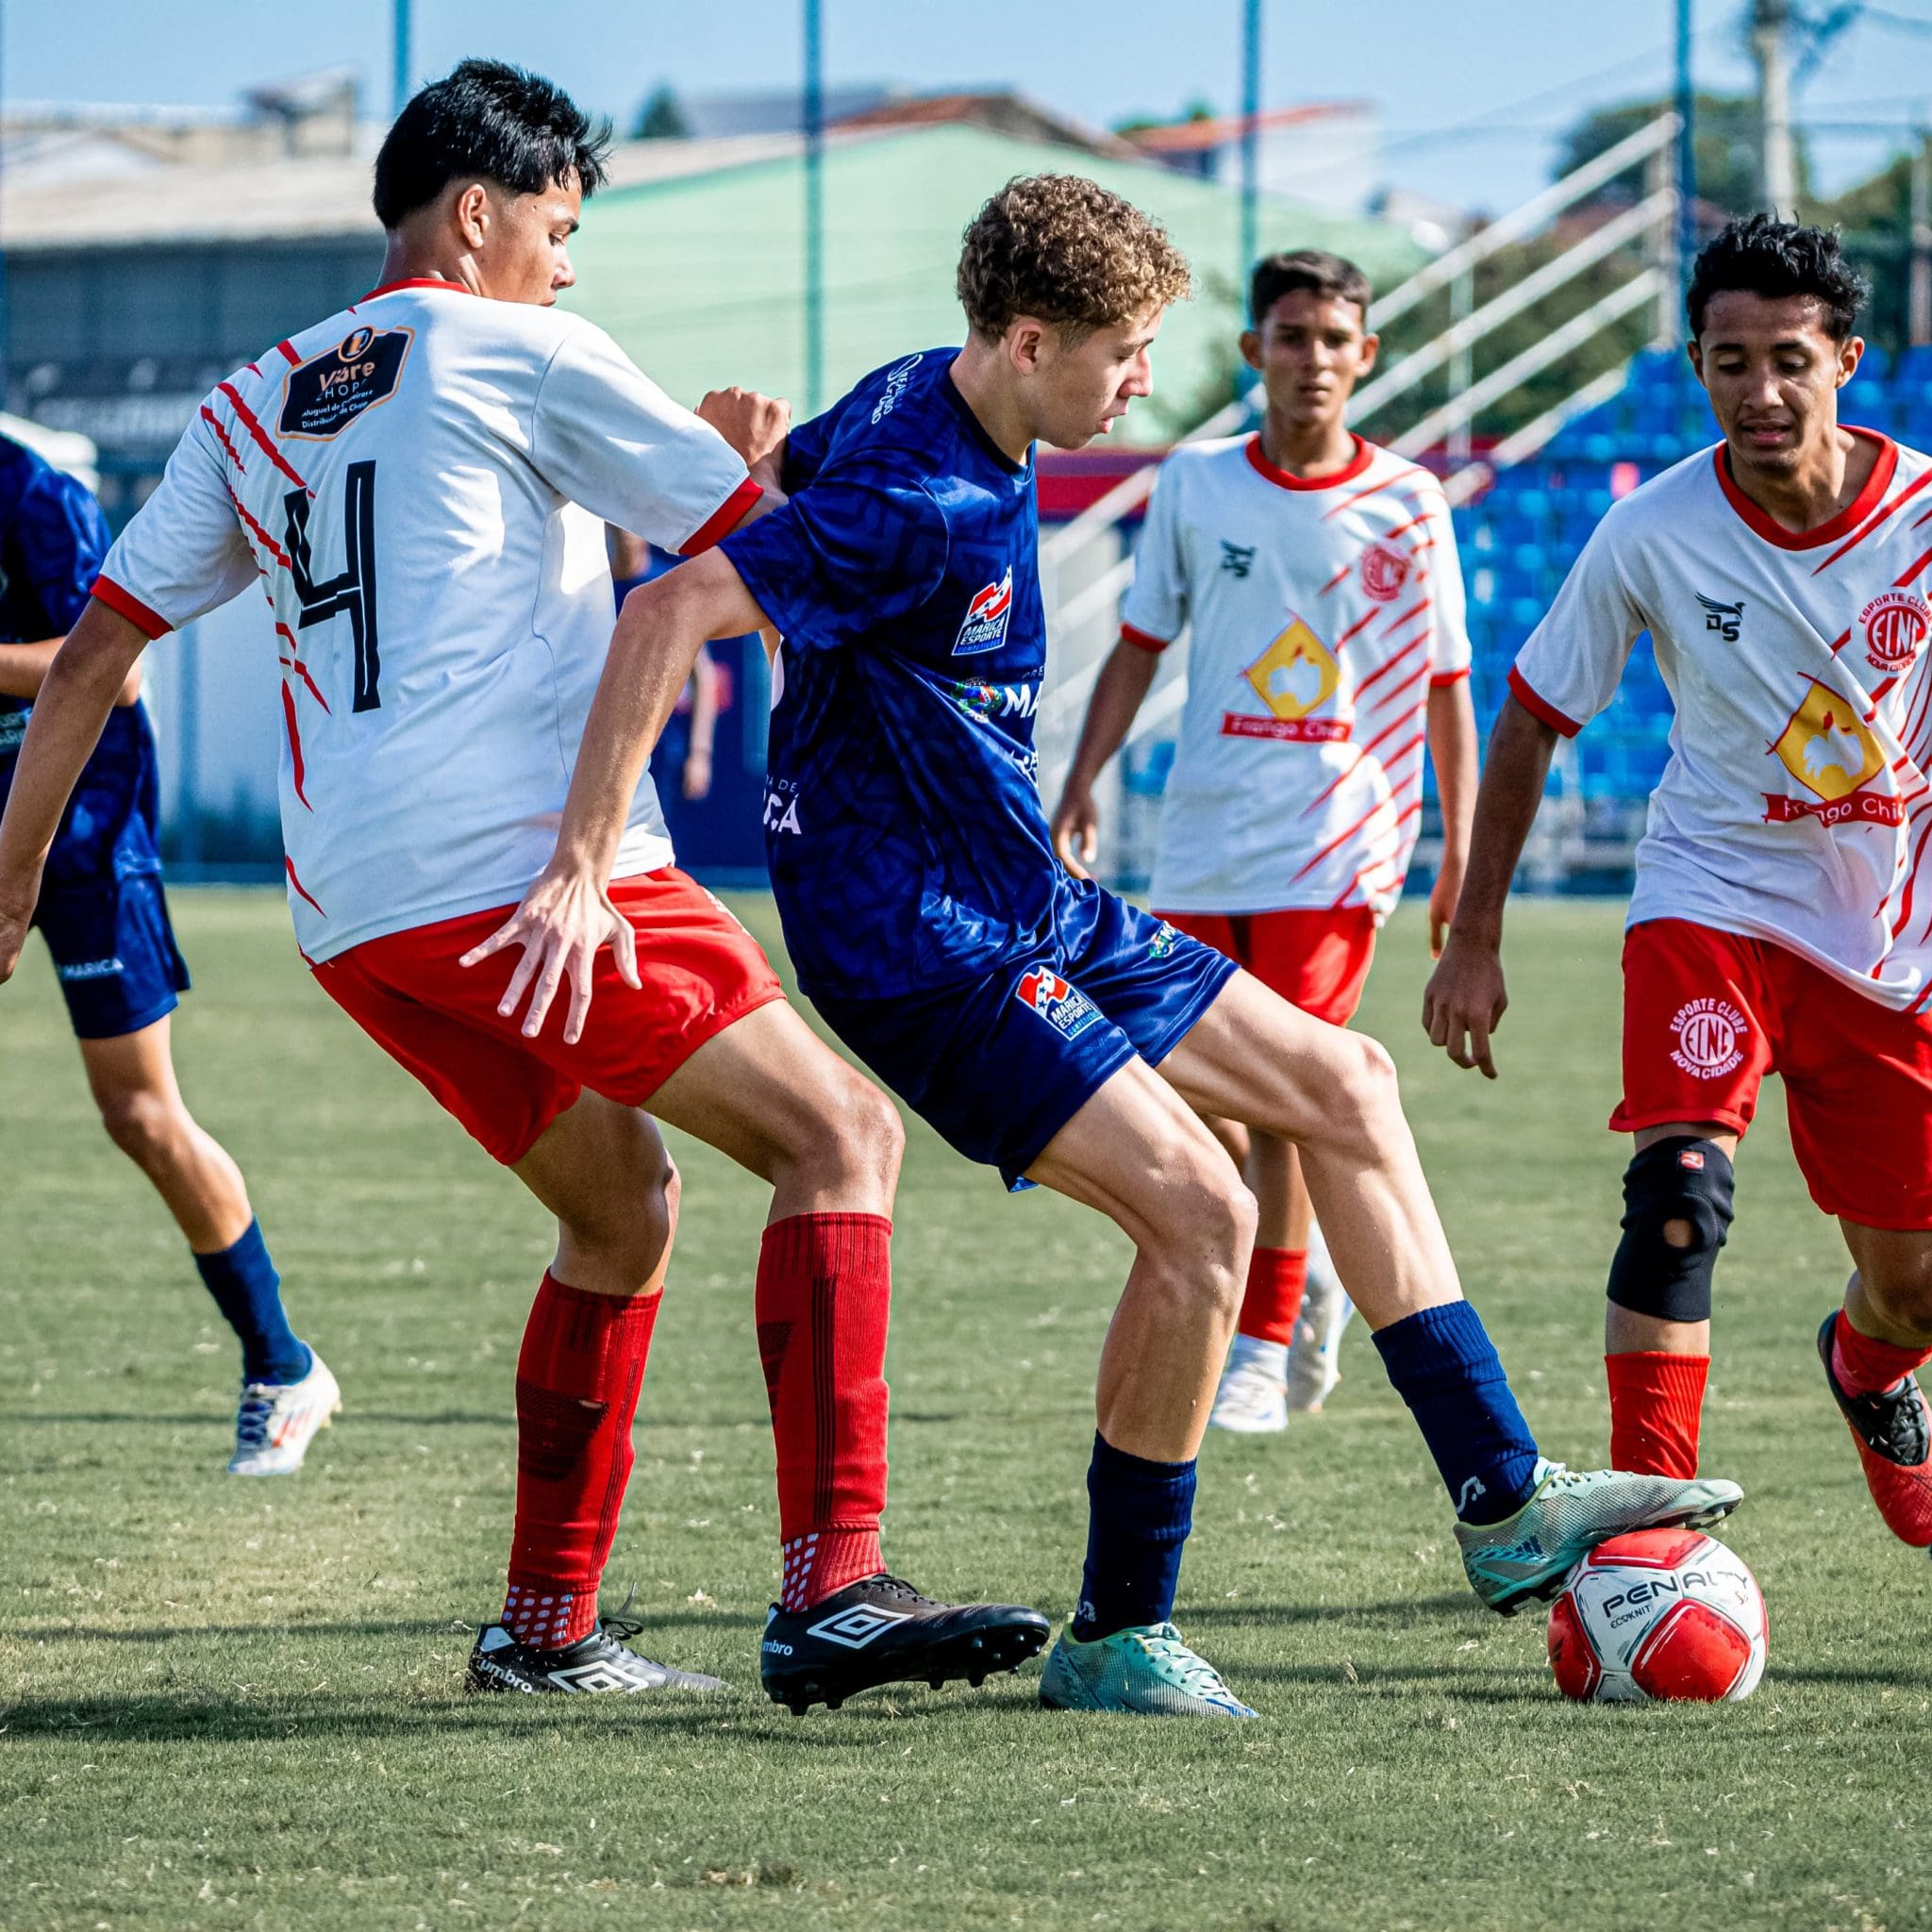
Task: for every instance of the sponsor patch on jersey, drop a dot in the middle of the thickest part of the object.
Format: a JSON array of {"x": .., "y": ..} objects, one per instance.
[
  {"x": 1709, "y": 1033},
  {"x": 896, "y": 379},
  {"x": 996, "y": 700},
  {"x": 984, "y": 627},
  {"x": 323, "y": 397},
  {"x": 1895, "y": 623},
  {"x": 1385, "y": 569},
  {"x": 1296, "y": 675},
  {"x": 1826, "y": 748},
  {"x": 1059, "y": 1003},
  {"x": 1727, "y": 619}
]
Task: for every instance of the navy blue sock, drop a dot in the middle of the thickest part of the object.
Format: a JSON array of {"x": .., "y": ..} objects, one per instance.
[
  {"x": 248, "y": 1292},
  {"x": 1444, "y": 1366},
  {"x": 1139, "y": 1515}
]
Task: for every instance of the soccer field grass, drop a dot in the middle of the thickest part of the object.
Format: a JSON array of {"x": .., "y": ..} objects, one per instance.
[{"x": 234, "y": 1703}]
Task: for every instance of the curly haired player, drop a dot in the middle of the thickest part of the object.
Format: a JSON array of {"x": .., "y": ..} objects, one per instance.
[
  {"x": 1782, "y": 916},
  {"x": 1042, "y": 1026}
]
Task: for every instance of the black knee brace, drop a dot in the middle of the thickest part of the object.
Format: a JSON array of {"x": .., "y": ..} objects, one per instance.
[{"x": 1678, "y": 1180}]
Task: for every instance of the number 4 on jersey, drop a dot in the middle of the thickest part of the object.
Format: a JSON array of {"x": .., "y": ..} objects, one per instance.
[{"x": 353, "y": 588}]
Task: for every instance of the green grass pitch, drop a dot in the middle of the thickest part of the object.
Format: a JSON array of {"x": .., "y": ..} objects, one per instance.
[{"x": 238, "y": 1704}]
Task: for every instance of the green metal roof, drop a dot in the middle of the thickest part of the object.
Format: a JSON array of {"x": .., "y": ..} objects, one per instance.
[{"x": 701, "y": 278}]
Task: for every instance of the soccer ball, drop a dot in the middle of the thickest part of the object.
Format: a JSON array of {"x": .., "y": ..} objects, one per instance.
[{"x": 1655, "y": 1614}]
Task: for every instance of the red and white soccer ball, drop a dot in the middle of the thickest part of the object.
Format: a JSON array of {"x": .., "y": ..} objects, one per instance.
[{"x": 1661, "y": 1613}]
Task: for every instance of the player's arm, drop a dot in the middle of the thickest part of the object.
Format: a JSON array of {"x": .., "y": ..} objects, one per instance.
[
  {"x": 1125, "y": 681},
  {"x": 567, "y": 917},
  {"x": 81, "y": 686},
  {"x": 695, "y": 779},
  {"x": 24, "y": 668},
  {"x": 1451, "y": 724},
  {"x": 1465, "y": 998},
  {"x": 1564, "y": 676}
]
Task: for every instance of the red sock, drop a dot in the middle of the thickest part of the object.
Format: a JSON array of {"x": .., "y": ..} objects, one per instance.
[
  {"x": 579, "y": 1375},
  {"x": 825, "y": 1286},
  {"x": 1657, "y": 1402},
  {"x": 1865, "y": 1366},
  {"x": 1276, "y": 1280}
]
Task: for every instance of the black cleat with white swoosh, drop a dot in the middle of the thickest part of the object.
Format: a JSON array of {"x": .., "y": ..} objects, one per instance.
[
  {"x": 599, "y": 1662},
  {"x": 880, "y": 1630}
]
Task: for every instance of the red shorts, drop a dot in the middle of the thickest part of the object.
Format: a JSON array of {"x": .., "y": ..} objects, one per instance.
[
  {"x": 702, "y": 971},
  {"x": 1707, "y": 1014},
  {"x": 1318, "y": 961}
]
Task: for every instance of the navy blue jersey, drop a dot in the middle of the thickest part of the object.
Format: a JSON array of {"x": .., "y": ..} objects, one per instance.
[
  {"x": 53, "y": 537},
  {"x": 903, "y": 822}
]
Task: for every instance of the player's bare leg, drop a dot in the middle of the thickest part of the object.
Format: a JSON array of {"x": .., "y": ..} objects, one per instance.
[
  {"x": 1521, "y": 1519},
  {"x": 1136, "y": 1152},
  {"x": 1870, "y": 1352},
  {"x": 287, "y": 1391},
  {"x": 771, "y": 1095}
]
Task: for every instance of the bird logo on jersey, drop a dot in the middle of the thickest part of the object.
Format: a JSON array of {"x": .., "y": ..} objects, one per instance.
[
  {"x": 1295, "y": 674},
  {"x": 1826, "y": 748},
  {"x": 1385, "y": 569},
  {"x": 984, "y": 627},
  {"x": 1895, "y": 623}
]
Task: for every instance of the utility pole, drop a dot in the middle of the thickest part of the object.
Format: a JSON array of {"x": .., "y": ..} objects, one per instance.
[
  {"x": 814, "y": 209},
  {"x": 1687, "y": 152},
  {"x": 1919, "y": 319},
  {"x": 403, "y": 61},
  {"x": 1771, "y": 21},
  {"x": 1251, "y": 133}
]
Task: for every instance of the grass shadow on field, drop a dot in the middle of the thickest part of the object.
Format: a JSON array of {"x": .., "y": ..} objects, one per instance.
[
  {"x": 1398, "y": 1611},
  {"x": 296, "y": 1633},
  {"x": 147, "y": 1418}
]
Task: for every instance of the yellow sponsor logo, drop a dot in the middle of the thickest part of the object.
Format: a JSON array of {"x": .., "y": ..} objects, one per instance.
[
  {"x": 1825, "y": 747},
  {"x": 1296, "y": 675}
]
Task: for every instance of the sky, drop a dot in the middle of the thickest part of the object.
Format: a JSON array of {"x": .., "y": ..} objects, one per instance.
[{"x": 1472, "y": 93}]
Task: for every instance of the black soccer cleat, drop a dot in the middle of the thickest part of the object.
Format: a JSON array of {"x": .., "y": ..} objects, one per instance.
[
  {"x": 597, "y": 1662},
  {"x": 880, "y": 1630}
]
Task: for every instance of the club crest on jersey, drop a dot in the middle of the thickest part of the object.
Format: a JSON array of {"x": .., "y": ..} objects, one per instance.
[
  {"x": 322, "y": 396},
  {"x": 1385, "y": 569},
  {"x": 984, "y": 627},
  {"x": 1895, "y": 623},
  {"x": 1061, "y": 1004}
]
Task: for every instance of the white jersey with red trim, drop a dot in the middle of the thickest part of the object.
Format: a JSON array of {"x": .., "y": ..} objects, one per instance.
[
  {"x": 1794, "y": 806},
  {"x": 1319, "y": 615},
  {"x": 419, "y": 486}
]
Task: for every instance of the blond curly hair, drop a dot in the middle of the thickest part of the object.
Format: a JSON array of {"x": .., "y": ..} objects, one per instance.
[{"x": 1065, "y": 249}]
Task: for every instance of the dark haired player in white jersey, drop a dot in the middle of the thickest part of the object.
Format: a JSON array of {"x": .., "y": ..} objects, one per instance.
[
  {"x": 418, "y": 487},
  {"x": 1042, "y": 1026},
  {"x": 1316, "y": 575},
  {"x": 1782, "y": 917}
]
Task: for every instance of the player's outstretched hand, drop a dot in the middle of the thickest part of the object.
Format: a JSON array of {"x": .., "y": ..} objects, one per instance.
[
  {"x": 565, "y": 921},
  {"x": 1464, "y": 1002},
  {"x": 755, "y": 425},
  {"x": 1442, "y": 897},
  {"x": 16, "y": 919},
  {"x": 1077, "y": 830}
]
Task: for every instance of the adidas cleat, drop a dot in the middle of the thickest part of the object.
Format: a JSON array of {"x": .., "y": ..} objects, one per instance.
[
  {"x": 1894, "y": 1437},
  {"x": 600, "y": 1661},
  {"x": 880, "y": 1630},
  {"x": 1252, "y": 1396},
  {"x": 277, "y": 1421},
  {"x": 1146, "y": 1670},
  {"x": 1571, "y": 1512}
]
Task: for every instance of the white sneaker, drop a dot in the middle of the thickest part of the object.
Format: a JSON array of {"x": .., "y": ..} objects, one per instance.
[
  {"x": 1314, "y": 1356},
  {"x": 277, "y": 1422},
  {"x": 1252, "y": 1396}
]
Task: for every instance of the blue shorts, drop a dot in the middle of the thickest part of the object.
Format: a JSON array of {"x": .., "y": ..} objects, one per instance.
[
  {"x": 114, "y": 952},
  {"x": 1000, "y": 1064}
]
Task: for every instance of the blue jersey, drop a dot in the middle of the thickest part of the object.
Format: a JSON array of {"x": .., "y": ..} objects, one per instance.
[
  {"x": 902, "y": 823},
  {"x": 53, "y": 537}
]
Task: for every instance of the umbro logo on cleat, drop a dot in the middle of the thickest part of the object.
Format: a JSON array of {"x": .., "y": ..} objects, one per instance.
[
  {"x": 857, "y": 1628},
  {"x": 593, "y": 1677}
]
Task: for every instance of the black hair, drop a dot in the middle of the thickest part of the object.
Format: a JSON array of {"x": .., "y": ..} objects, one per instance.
[
  {"x": 1763, "y": 255},
  {"x": 489, "y": 119},
  {"x": 1314, "y": 268}
]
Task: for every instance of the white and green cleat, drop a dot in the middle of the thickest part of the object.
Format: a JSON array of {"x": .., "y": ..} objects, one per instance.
[
  {"x": 1146, "y": 1670},
  {"x": 1567, "y": 1514}
]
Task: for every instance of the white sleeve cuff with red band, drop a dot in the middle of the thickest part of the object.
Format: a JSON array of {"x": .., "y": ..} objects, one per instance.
[
  {"x": 722, "y": 520},
  {"x": 1143, "y": 640},
  {"x": 1438, "y": 679},
  {"x": 1538, "y": 707},
  {"x": 126, "y": 604}
]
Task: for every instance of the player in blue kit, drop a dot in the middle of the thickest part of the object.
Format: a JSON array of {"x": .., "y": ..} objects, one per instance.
[
  {"x": 104, "y": 918},
  {"x": 1042, "y": 1026}
]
